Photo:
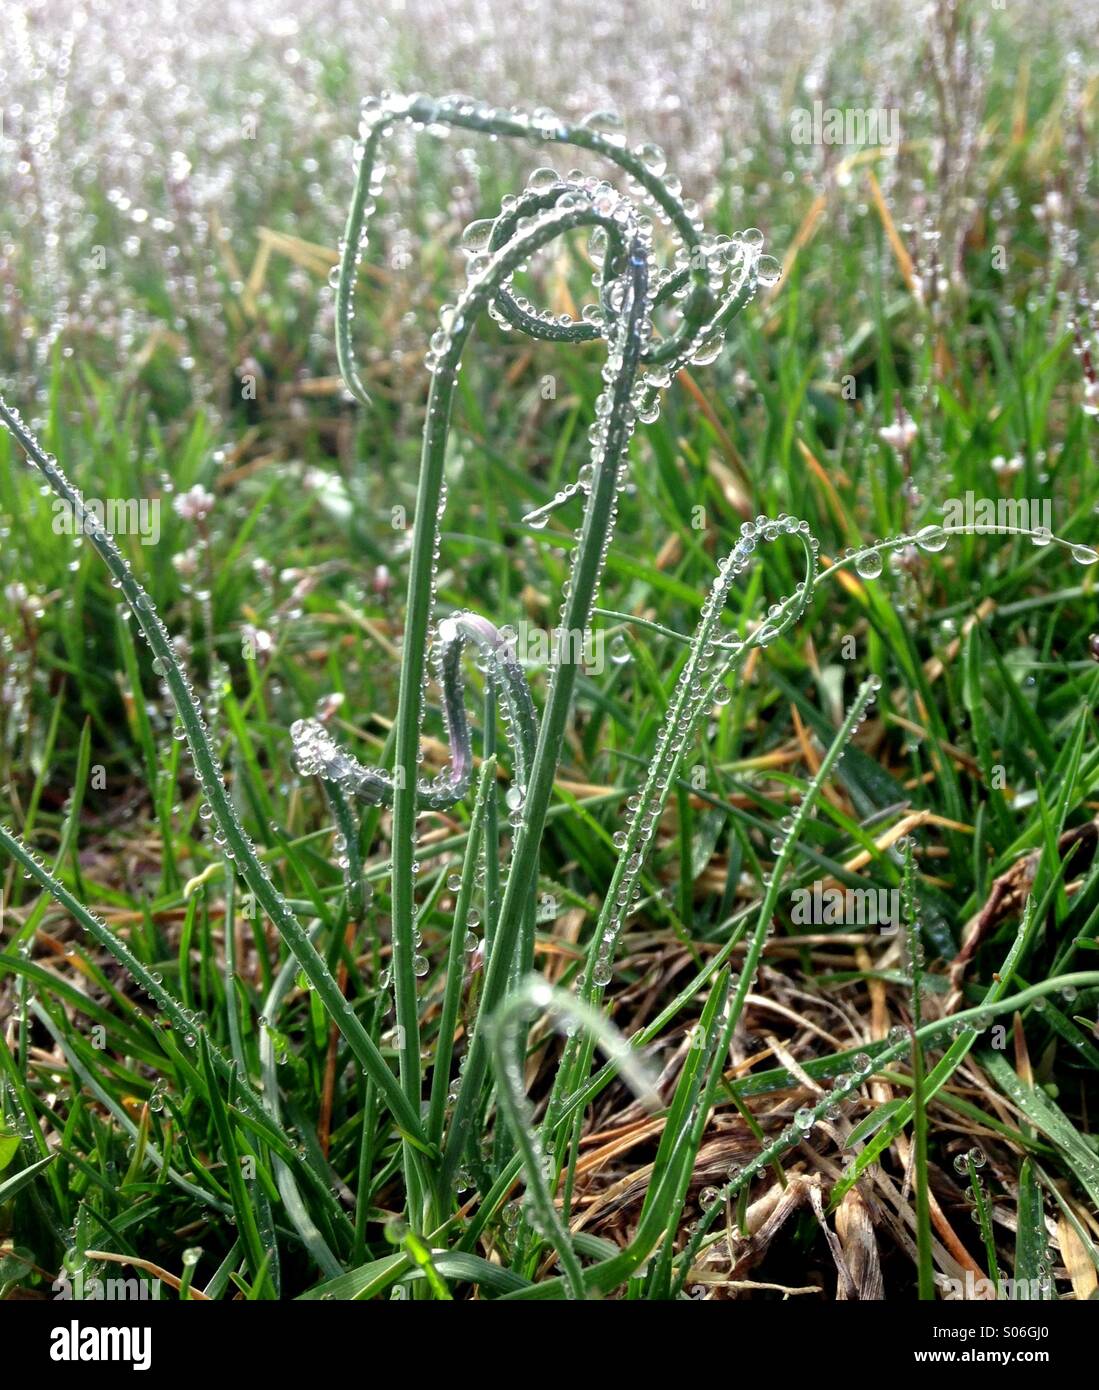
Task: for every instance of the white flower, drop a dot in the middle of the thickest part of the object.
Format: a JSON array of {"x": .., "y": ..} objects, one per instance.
[
  {"x": 195, "y": 505},
  {"x": 901, "y": 434},
  {"x": 185, "y": 563},
  {"x": 1051, "y": 208},
  {"x": 258, "y": 639},
  {"x": 328, "y": 705}
]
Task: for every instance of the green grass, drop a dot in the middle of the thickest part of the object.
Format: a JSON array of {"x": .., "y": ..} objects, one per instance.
[{"x": 301, "y": 1157}]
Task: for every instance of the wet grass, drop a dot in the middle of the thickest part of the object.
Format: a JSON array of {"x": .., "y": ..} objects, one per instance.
[{"x": 980, "y": 749}]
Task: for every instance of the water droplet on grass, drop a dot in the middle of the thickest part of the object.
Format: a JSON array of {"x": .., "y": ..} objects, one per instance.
[
  {"x": 931, "y": 538},
  {"x": 869, "y": 564},
  {"x": 543, "y": 179},
  {"x": 768, "y": 270},
  {"x": 475, "y": 237},
  {"x": 653, "y": 158}
]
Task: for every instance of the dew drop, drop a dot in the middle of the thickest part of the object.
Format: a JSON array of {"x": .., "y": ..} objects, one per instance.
[
  {"x": 869, "y": 564},
  {"x": 653, "y": 158},
  {"x": 619, "y": 650},
  {"x": 475, "y": 237},
  {"x": 768, "y": 270},
  {"x": 931, "y": 538},
  {"x": 543, "y": 179}
]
